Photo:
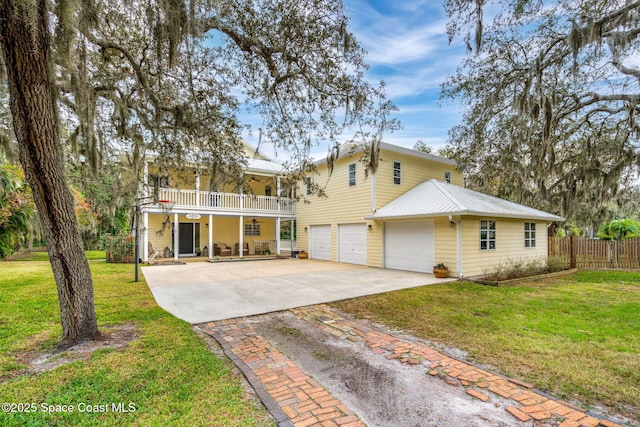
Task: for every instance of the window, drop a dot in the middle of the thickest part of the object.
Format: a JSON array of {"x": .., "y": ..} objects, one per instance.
[
  {"x": 308, "y": 186},
  {"x": 447, "y": 177},
  {"x": 267, "y": 190},
  {"x": 529, "y": 234},
  {"x": 487, "y": 235},
  {"x": 158, "y": 182},
  {"x": 352, "y": 174},
  {"x": 397, "y": 173},
  {"x": 252, "y": 229}
]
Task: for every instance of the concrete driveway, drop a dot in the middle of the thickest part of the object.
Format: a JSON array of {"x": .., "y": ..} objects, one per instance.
[{"x": 204, "y": 292}]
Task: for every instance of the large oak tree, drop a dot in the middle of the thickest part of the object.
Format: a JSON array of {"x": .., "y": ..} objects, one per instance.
[
  {"x": 553, "y": 101},
  {"x": 170, "y": 77}
]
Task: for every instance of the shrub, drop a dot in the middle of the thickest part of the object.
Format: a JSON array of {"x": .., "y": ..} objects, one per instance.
[{"x": 515, "y": 268}]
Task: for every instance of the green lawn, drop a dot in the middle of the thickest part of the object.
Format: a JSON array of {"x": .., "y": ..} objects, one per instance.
[
  {"x": 166, "y": 373},
  {"x": 577, "y": 337}
]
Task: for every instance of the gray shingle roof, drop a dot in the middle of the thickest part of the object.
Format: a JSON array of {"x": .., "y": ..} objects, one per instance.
[{"x": 435, "y": 198}]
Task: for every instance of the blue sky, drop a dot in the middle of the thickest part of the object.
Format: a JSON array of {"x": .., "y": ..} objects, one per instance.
[{"x": 408, "y": 48}]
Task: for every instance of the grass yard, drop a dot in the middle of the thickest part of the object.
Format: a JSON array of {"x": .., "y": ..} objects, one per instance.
[
  {"x": 577, "y": 337},
  {"x": 166, "y": 373}
]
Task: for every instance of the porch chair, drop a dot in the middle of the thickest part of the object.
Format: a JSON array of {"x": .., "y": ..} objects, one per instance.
[
  {"x": 221, "y": 249},
  {"x": 154, "y": 253},
  {"x": 266, "y": 247},
  {"x": 245, "y": 248}
]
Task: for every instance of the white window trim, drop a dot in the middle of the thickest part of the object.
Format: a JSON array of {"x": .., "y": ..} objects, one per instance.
[
  {"x": 529, "y": 239},
  {"x": 354, "y": 174},
  {"x": 488, "y": 239},
  {"x": 253, "y": 229},
  {"x": 393, "y": 172}
]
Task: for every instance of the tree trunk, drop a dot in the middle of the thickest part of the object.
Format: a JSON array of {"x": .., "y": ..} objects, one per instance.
[{"x": 25, "y": 43}]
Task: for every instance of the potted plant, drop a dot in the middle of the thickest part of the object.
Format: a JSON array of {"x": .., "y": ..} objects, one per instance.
[{"x": 441, "y": 271}]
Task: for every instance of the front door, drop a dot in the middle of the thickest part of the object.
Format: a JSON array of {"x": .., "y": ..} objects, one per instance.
[{"x": 185, "y": 234}]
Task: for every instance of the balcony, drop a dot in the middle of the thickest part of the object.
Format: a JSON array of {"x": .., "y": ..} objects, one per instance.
[{"x": 245, "y": 204}]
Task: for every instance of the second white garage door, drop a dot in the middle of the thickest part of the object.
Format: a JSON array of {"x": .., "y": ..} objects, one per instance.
[
  {"x": 320, "y": 242},
  {"x": 352, "y": 243},
  {"x": 408, "y": 245}
]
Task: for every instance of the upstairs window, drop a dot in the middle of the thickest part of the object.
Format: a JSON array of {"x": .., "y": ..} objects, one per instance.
[
  {"x": 352, "y": 174},
  {"x": 308, "y": 183},
  {"x": 529, "y": 234},
  {"x": 447, "y": 177},
  {"x": 397, "y": 173},
  {"x": 267, "y": 190},
  {"x": 487, "y": 235},
  {"x": 158, "y": 181}
]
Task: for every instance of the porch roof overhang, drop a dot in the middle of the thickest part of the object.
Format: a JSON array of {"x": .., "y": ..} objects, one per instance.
[
  {"x": 436, "y": 199},
  {"x": 267, "y": 167},
  {"x": 183, "y": 210}
]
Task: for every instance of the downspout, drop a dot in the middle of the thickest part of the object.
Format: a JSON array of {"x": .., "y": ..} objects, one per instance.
[{"x": 459, "y": 248}]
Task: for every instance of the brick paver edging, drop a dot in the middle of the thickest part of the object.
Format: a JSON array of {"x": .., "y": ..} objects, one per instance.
[
  {"x": 291, "y": 396},
  {"x": 528, "y": 404}
]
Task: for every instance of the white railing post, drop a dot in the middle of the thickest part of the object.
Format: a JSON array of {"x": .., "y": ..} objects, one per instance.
[
  {"x": 210, "y": 200},
  {"x": 197, "y": 188}
]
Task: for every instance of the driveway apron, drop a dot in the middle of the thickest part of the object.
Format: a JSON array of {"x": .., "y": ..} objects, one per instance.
[{"x": 204, "y": 292}]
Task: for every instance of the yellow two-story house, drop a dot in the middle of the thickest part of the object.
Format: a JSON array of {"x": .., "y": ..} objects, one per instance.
[
  {"x": 182, "y": 216},
  {"x": 412, "y": 214}
]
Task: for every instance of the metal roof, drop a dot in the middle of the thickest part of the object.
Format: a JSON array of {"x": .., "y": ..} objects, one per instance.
[
  {"x": 264, "y": 166},
  {"x": 350, "y": 149},
  {"x": 436, "y": 198}
]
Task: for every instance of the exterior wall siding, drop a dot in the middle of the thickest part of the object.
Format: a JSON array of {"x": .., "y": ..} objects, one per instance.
[
  {"x": 350, "y": 204},
  {"x": 413, "y": 171},
  {"x": 446, "y": 244},
  {"x": 344, "y": 205},
  {"x": 375, "y": 244},
  {"x": 509, "y": 245}
]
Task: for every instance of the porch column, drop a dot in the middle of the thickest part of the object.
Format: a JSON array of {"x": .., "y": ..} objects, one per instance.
[
  {"x": 197, "y": 187},
  {"x": 176, "y": 236},
  {"x": 145, "y": 179},
  {"x": 145, "y": 236},
  {"x": 278, "y": 191},
  {"x": 241, "y": 233},
  {"x": 210, "y": 236},
  {"x": 278, "y": 235}
]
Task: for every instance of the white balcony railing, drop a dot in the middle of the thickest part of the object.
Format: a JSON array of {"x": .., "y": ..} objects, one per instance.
[{"x": 242, "y": 203}]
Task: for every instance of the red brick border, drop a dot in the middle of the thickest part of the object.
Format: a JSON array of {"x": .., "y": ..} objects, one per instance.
[
  {"x": 296, "y": 399},
  {"x": 291, "y": 396},
  {"x": 530, "y": 404}
]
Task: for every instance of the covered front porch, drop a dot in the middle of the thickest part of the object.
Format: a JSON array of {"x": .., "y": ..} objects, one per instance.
[{"x": 178, "y": 234}]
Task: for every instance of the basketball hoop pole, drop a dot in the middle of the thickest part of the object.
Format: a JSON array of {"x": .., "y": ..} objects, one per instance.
[{"x": 137, "y": 241}]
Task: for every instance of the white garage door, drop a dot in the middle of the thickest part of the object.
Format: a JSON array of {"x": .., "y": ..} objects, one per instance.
[
  {"x": 320, "y": 242},
  {"x": 352, "y": 243},
  {"x": 408, "y": 245}
]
